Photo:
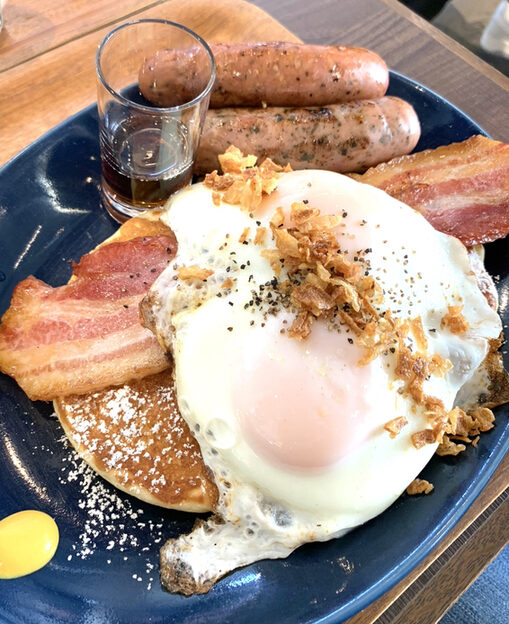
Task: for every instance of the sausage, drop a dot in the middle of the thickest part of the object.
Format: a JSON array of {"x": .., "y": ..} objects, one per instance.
[
  {"x": 344, "y": 137},
  {"x": 271, "y": 73}
]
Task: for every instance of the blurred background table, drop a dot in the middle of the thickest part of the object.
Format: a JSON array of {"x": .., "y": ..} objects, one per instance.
[{"x": 47, "y": 74}]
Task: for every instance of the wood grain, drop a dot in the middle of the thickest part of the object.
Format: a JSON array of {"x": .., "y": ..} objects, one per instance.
[
  {"x": 455, "y": 570},
  {"x": 461, "y": 51},
  {"x": 33, "y": 27},
  {"x": 43, "y": 91}
]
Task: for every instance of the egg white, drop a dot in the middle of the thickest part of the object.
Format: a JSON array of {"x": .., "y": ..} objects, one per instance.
[{"x": 270, "y": 508}]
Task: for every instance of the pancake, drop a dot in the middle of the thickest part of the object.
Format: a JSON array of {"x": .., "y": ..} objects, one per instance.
[{"x": 133, "y": 435}]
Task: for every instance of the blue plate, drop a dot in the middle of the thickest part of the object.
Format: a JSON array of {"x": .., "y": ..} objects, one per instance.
[{"x": 106, "y": 566}]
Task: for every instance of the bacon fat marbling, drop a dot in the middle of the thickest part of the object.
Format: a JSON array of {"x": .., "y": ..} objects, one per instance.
[
  {"x": 462, "y": 189},
  {"x": 86, "y": 335}
]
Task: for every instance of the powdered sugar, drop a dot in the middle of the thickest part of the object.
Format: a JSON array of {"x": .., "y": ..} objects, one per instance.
[
  {"x": 110, "y": 522},
  {"x": 134, "y": 436}
]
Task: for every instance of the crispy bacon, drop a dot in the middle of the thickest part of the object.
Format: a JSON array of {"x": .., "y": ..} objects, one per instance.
[
  {"x": 462, "y": 189},
  {"x": 86, "y": 335}
]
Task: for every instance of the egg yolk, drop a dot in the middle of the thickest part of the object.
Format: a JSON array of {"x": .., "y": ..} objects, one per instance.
[
  {"x": 307, "y": 404},
  {"x": 28, "y": 541}
]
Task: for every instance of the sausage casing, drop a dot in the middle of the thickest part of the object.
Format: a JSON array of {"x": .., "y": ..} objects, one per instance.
[
  {"x": 345, "y": 137},
  {"x": 269, "y": 73}
]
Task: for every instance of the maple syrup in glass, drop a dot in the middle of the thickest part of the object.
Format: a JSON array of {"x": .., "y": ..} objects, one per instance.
[
  {"x": 144, "y": 161},
  {"x": 147, "y": 151}
]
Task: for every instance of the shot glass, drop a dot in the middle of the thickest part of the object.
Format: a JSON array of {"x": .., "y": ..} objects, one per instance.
[{"x": 148, "y": 149}]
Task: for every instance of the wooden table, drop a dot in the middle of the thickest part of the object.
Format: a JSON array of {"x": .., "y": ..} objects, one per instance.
[{"x": 47, "y": 73}]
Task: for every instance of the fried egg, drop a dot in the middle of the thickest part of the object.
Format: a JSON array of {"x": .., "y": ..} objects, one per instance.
[{"x": 293, "y": 430}]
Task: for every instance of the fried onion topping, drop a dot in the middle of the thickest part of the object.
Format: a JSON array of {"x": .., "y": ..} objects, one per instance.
[
  {"x": 242, "y": 182},
  {"x": 193, "y": 272},
  {"x": 454, "y": 320},
  {"x": 419, "y": 486}
]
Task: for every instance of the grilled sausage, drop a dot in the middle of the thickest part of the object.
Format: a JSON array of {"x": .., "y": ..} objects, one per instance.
[
  {"x": 271, "y": 73},
  {"x": 344, "y": 137}
]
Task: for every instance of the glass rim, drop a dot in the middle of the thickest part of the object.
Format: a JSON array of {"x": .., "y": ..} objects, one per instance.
[{"x": 162, "y": 109}]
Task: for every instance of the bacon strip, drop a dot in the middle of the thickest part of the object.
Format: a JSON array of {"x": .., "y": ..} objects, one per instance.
[
  {"x": 86, "y": 335},
  {"x": 462, "y": 189}
]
